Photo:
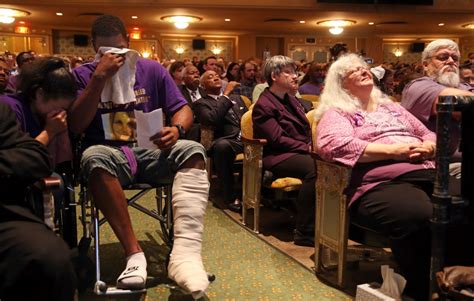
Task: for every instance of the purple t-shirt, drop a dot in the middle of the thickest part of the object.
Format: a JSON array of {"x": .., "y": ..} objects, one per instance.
[
  {"x": 343, "y": 137},
  {"x": 115, "y": 124},
  {"x": 310, "y": 88},
  {"x": 418, "y": 98},
  {"x": 23, "y": 113}
]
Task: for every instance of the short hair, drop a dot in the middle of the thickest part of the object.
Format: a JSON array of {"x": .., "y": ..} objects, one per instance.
[
  {"x": 175, "y": 66},
  {"x": 23, "y": 57},
  {"x": 335, "y": 96},
  {"x": 50, "y": 74},
  {"x": 208, "y": 58},
  {"x": 108, "y": 26},
  {"x": 436, "y": 45},
  {"x": 275, "y": 65}
]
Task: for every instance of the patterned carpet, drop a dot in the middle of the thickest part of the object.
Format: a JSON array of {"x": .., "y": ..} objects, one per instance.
[{"x": 246, "y": 267}]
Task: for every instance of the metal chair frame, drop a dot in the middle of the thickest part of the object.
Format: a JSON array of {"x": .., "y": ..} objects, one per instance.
[{"x": 163, "y": 213}]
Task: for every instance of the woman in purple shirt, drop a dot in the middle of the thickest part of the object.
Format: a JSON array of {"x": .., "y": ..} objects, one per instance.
[
  {"x": 46, "y": 90},
  {"x": 390, "y": 152}
]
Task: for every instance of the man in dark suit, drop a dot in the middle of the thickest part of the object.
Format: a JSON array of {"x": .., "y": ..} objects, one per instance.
[
  {"x": 223, "y": 113},
  {"x": 192, "y": 92},
  {"x": 35, "y": 264}
]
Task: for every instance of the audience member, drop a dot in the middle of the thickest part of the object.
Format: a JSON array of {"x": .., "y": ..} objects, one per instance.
[
  {"x": 280, "y": 118},
  {"x": 177, "y": 72},
  {"x": 390, "y": 153},
  {"x": 222, "y": 112},
  {"x": 48, "y": 89},
  {"x": 108, "y": 165},
  {"x": 35, "y": 264},
  {"x": 467, "y": 74},
  {"x": 192, "y": 92},
  {"x": 232, "y": 72},
  {"x": 4, "y": 76},
  {"x": 441, "y": 61},
  {"x": 246, "y": 79},
  {"x": 313, "y": 82},
  {"x": 21, "y": 59}
]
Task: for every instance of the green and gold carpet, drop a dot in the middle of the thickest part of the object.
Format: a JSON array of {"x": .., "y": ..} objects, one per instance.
[{"x": 246, "y": 267}]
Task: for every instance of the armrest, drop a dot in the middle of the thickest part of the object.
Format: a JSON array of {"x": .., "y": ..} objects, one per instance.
[
  {"x": 332, "y": 175},
  {"x": 254, "y": 141},
  {"x": 48, "y": 183}
]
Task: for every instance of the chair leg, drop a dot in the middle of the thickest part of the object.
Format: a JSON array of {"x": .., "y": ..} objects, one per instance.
[{"x": 256, "y": 213}]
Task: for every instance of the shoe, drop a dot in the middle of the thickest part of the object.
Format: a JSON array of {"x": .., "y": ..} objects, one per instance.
[
  {"x": 235, "y": 206},
  {"x": 303, "y": 239}
]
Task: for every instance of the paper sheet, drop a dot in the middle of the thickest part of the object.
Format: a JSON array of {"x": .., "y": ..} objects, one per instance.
[{"x": 148, "y": 124}]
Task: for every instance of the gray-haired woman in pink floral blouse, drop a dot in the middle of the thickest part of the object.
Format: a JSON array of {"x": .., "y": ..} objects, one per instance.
[{"x": 391, "y": 153}]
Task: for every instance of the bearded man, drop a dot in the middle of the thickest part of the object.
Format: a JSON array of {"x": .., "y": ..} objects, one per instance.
[{"x": 441, "y": 62}]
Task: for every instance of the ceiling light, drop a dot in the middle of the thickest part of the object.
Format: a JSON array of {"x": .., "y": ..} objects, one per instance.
[
  {"x": 441, "y": 24},
  {"x": 7, "y": 15},
  {"x": 336, "y": 25},
  {"x": 181, "y": 22},
  {"x": 136, "y": 28},
  {"x": 59, "y": 14},
  {"x": 469, "y": 26},
  {"x": 302, "y": 21},
  {"x": 371, "y": 23},
  {"x": 227, "y": 20},
  {"x": 336, "y": 30},
  {"x": 134, "y": 17}
]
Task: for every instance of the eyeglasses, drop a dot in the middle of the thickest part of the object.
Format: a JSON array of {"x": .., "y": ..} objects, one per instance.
[
  {"x": 289, "y": 72},
  {"x": 443, "y": 57}
]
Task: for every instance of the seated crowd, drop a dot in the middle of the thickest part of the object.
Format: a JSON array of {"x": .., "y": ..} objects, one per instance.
[{"x": 361, "y": 124}]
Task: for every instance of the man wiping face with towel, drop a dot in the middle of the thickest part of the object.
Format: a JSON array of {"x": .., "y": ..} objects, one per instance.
[{"x": 111, "y": 161}]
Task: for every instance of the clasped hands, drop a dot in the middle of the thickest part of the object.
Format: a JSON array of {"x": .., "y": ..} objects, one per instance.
[{"x": 414, "y": 152}]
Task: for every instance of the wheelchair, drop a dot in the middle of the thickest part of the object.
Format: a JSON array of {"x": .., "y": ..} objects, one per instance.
[{"x": 91, "y": 221}]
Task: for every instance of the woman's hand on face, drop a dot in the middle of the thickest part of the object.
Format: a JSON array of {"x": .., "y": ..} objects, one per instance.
[{"x": 56, "y": 122}]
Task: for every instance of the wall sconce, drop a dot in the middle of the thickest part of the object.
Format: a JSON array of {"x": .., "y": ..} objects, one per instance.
[
  {"x": 7, "y": 15},
  {"x": 216, "y": 50},
  {"x": 336, "y": 26},
  {"x": 146, "y": 54},
  {"x": 181, "y": 22},
  {"x": 179, "y": 50},
  {"x": 398, "y": 52}
]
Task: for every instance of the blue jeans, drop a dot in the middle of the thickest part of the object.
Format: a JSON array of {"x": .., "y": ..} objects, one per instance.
[{"x": 153, "y": 166}]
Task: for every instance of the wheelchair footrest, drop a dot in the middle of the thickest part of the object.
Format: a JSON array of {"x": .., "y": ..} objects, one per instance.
[{"x": 101, "y": 288}]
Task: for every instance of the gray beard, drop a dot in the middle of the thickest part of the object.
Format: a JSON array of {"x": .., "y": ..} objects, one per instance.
[{"x": 450, "y": 78}]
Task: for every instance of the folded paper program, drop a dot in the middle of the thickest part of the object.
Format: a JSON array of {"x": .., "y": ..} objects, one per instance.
[
  {"x": 148, "y": 124},
  {"x": 119, "y": 88}
]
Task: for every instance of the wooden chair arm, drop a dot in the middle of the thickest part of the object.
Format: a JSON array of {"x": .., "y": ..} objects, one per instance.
[{"x": 254, "y": 141}]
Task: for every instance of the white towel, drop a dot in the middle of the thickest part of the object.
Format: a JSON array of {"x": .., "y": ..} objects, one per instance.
[{"x": 119, "y": 88}]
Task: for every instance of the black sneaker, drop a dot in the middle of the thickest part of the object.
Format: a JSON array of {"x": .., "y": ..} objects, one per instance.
[{"x": 303, "y": 239}]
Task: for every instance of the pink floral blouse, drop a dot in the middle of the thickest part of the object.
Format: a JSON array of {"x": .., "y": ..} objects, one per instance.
[{"x": 343, "y": 137}]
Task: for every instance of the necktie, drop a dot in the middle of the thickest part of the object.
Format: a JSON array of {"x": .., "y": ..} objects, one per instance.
[{"x": 193, "y": 96}]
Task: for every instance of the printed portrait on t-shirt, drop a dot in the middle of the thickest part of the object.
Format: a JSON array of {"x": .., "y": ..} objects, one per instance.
[{"x": 119, "y": 126}]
